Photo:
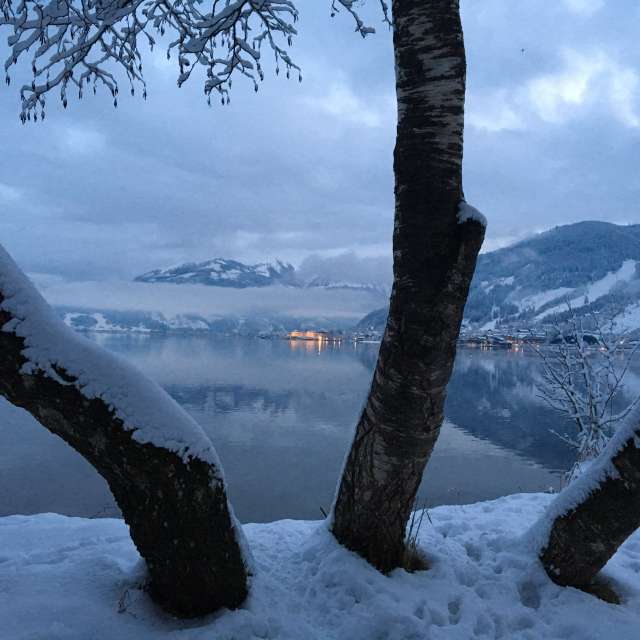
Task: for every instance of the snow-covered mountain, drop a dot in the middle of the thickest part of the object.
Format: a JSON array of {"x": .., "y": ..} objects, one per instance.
[
  {"x": 593, "y": 266},
  {"x": 221, "y": 272}
]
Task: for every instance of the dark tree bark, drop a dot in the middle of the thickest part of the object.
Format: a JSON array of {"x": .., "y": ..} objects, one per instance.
[
  {"x": 177, "y": 510},
  {"x": 434, "y": 260},
  {"x": 583, "y": 540}
]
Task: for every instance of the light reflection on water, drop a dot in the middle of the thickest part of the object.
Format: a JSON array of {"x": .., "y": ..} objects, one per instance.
[{"x": 281, "y": 415}]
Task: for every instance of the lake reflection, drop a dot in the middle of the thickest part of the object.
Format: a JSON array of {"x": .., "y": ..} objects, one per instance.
[{"x": 281, "y": 416}]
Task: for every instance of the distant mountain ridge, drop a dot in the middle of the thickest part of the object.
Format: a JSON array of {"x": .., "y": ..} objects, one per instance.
[
  {"x": 222, "y": 272},
  {"x": 110, "y": 321},
  {"x": 593, "y": 266}
]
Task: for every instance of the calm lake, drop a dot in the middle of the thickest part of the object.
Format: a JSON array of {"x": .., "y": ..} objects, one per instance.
[{"x": 281, "y": 415}]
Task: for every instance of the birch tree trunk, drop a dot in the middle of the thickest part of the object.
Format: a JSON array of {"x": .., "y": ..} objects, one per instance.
[
  {"x": 176, "y": 508},
  {"x": 590, "y": 520},
  {"x": 435, "y": 252}
]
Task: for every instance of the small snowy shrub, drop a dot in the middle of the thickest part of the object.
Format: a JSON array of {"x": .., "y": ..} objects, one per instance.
[{"x": 582, "y": 379}]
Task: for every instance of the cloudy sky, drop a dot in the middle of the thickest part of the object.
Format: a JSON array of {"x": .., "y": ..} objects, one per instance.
[{"x": 299, "y": 170}]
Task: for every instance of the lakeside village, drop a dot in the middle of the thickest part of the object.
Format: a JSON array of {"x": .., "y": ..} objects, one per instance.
[{"x": 508, "y": 339}]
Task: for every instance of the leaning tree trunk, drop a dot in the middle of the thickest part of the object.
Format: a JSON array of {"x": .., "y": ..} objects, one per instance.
[
  {"x": 595, "y": 514},
  {"x": 174, "y": 503},
  {"x": 435, "y": 250}
]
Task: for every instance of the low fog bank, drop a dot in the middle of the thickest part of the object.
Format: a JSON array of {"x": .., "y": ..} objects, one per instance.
[{"x": 173, "y": 300}]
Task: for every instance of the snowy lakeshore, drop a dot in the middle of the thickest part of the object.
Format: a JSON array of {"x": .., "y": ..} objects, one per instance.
[{"x": 67, "y": 578}]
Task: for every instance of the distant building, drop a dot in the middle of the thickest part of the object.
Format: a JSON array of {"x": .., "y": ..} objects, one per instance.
[{"x": 317, "y": 336}]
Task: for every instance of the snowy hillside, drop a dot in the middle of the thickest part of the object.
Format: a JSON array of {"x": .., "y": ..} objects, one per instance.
[{"x": 592, "y": 265}]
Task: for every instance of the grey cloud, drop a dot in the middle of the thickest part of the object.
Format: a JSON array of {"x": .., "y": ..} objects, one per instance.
[
  {"x": 302, "y": 169},
  {"x": 347, "y": 267},
  {"x": 173, "y": 300}
]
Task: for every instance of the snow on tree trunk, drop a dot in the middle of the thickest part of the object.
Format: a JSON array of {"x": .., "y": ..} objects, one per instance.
[
  {"x": 595, "y": 514},
  {"x": 437, "y": 238},
  {"x": 160, "y": 466}
]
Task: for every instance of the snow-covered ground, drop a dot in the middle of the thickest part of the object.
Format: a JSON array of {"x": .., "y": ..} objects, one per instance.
[{"x": 69, "y": 578}]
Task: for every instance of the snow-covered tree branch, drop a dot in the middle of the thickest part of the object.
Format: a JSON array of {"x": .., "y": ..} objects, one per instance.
[
  {"x": 589, "y": 520},
  {"x": 159, "y": 464},
  {"x": 78, "y": 45}
]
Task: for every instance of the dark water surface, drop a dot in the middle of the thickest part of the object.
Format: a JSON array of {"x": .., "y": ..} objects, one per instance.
[{"x": 281, "y": 416}]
